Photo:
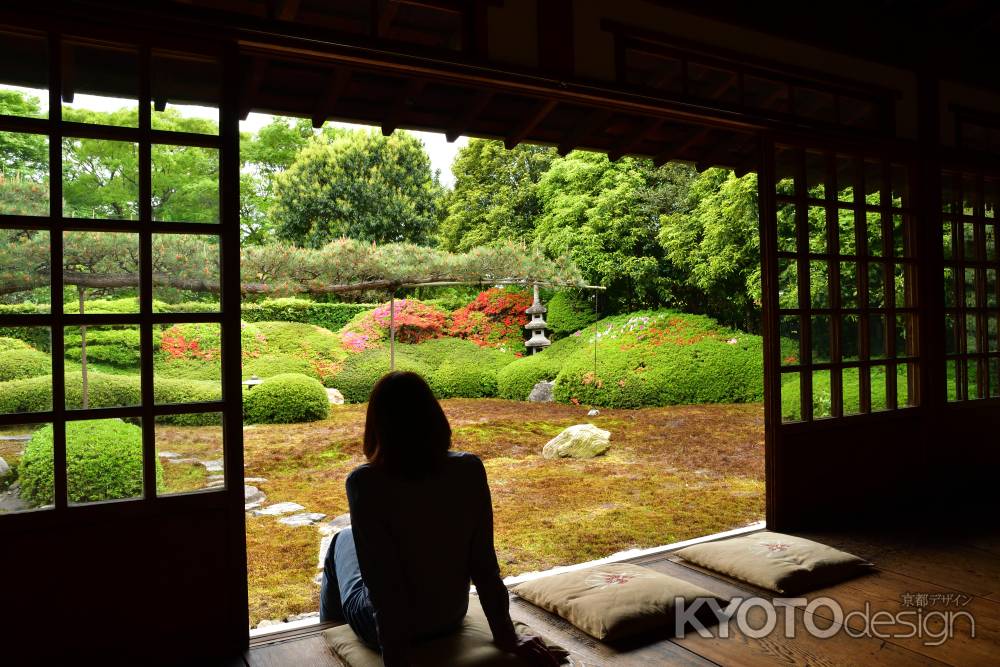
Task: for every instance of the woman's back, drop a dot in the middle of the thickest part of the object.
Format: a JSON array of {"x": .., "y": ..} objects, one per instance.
[{"x": 420, "y": 540}]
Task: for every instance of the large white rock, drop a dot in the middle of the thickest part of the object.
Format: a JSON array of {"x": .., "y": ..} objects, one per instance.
[
  {"x": 335, "y": 397},
  {"x": 4, "y": 468},
  {"x": 580, "y": 441}
]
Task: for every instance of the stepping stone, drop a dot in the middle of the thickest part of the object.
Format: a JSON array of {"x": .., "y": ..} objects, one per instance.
[
  {"x": 255, "y": 480},
  {"x": 304, "y": 519},
  {"x": 214, "y": 466},
  {"x": 15, "y": 438},
  {"x": 328, "y": 530},
  {"x": 169, "y": 455},
  {"x": 183, "y": 461},
  {"x": 249, "y": 507},
  {"x": 279, "y": 509},
  {"x": 215, "y": 483},
  {"x": 303, "y": 617},
  {"x": 251, "y": 494}
]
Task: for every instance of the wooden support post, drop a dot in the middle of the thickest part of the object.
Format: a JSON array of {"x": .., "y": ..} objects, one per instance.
[{"x": 392, "y": 332}]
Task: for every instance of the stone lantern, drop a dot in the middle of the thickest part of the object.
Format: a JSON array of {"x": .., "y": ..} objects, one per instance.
[{"x": 536, "y": 326}]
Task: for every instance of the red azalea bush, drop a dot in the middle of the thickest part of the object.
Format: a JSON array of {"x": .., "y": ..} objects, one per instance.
[
  {"x": 495, "y": 318},
  {"x": 203, "y": 342},
  {"x": 415, "y": 322}
]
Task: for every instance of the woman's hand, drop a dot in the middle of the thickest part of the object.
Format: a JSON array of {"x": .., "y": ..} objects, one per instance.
[{"x": 532, "y": 650}]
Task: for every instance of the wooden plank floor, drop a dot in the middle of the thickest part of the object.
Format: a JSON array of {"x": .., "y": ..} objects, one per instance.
[{"x": 966, "y": 565}]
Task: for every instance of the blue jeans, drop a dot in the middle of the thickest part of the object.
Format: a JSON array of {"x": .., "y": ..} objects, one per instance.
[{"x": 344, "y": 596}]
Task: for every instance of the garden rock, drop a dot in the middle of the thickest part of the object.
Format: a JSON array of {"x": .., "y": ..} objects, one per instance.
[
  {"x": 169, "y": 455},
  {"x": 213, "y": 466},
  {"x": 542, "y": 392},
  {"x": 581, "y": 441},
  {"x": 255, "y": 480},
  {"x": 328, "y": 530},
  {"x": 336, "y": 398},
  {"x": 303, "y": 519},
  {"x": 279, "y": 509},
  {"x": 4, "y": 468},
  {"x": 251, "y": 494},
  {"x": 593, "y": 413}
]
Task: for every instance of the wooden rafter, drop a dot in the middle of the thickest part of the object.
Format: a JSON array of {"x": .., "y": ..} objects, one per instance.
[
  {"x": 336, "y": 85},
  {"x": 411, "y": 90},
  {"x": 592, "y": 120},
  {"x": 479, "y": 102},
  {"x": 632, "y": 138},
  {"x": 678, "y": 150},
  {"x": 530, "y": 123}
]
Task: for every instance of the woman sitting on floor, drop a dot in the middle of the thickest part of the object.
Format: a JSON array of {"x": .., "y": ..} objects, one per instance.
[{"x": 422, "y": 528}]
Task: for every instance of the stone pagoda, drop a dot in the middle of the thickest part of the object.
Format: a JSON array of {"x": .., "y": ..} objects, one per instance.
[{"x": 536, "y": 326}]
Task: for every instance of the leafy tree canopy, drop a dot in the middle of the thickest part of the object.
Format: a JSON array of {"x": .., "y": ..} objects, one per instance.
[
  {"x": 22, "y": 155},
  {"x": 360, "y": 185},
  {"x": 495, "y": 195}
]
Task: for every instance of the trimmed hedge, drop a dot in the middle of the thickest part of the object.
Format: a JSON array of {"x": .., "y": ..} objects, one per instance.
[
  {"x": 285, "y": 399},
  {"x": 320, "y": 347},
  {"x": 452, "y": 367},
  {"x": 269, "y": 365},
  {"x": 663, "y": 358},
  {"x": 24, "y": 363},
  {"x": 103, "y": 462},
  {"x": 115, "y": 347},
  {"x": 363, "y": 370},
  {"x": 36, "y": 337},
  {"x": 568, "y": 313},
  {"x": 330, "y": 316},
  {"x": 105, "y": 390},
  {"x": 7, "y": 344},
  {"x": 516, "y": 380}
]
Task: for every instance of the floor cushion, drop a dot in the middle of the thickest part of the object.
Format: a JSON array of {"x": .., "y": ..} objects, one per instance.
[
  {"x": 470, "y": 646},
  {"x": 781, "y": 563},
  {"x": 616, "y": 601}
]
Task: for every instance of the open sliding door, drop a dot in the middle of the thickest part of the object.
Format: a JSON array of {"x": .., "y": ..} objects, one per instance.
[{"x": 841, "y": 258}]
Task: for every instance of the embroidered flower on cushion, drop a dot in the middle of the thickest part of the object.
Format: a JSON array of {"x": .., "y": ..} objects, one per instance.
[{"x": 605, "y": 579}]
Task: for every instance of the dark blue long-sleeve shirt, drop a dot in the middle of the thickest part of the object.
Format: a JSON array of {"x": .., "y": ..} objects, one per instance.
[{"x": 420, "y": 541}]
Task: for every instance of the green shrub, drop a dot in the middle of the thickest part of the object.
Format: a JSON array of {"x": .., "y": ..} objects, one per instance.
[
  {"x": 105, "y": 345},
  {"x": 330, "y": 316},
  {"x": 516, "y": 380},
  {"x": 7, "y": 344},
  {"x": 318, "y": 346},
  {"x": 24, "y": 363},
  {"x": 568, "y": 313},
  {"x": 791, "y": 409},
  {"x": 36, "y": 337},
  {"x": 103, "y": 462},
  {"x": 286, "y": 399},
  {"x": 663, "y": 358},
  {"x": 361, "y": 371},
  {"x": 270, "y": 365},
  {"x": 104, "y": 391},
  {"x": 451, "y": 366},
  {"x": 188, "y": 369}
]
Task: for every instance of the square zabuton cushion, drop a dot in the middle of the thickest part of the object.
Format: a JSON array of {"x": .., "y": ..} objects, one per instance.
[
  {"x": 611, "y": 602},
  {"x": 469, "y": 646},
  {"x": 780, "y": 563}
]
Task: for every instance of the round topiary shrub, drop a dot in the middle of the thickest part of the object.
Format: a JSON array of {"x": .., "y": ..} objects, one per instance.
[
  {"x": 568, "y": 313},
  {"x": 361, "y": 371},
  {"x": 23, "y": 363},
  {"x": 103, "y": 462},
  {"x": 286, "y": 399}
]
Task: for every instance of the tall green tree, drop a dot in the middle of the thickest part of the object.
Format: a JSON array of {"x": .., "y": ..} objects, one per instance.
[
  {"x": 714, "y": 243},
  {"x": 22, "y": 155},
  {"x": 495, "y": 196},
  {"x": 359, "y": 185}
]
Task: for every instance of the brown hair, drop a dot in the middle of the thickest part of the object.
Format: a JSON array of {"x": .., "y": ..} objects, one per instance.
[{"x": 406, "y": 430}]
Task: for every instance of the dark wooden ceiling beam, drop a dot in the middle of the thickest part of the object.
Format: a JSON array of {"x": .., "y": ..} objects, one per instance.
[
  {"x": 479, "y": 102},
  {"x": 68, "y": 74},
  {"x": 678, "y": 150},
  {"x": 530, "y": 123},
  {"x": 336, "y": 86},
  {"x": 633, "y": 138},
  {"x": 587, "y": 125},
  {"x": 406, "y": 97}
]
